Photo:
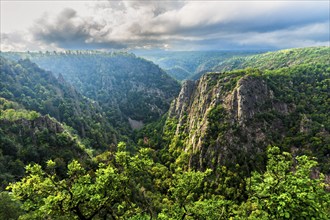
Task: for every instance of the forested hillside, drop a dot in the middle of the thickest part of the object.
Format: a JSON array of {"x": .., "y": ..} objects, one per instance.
[
  {"x": 273, "y": 60},
  {"x": 29, "y": 137},
  {"x": 126, "y": 87},
  {"x": 36, "y": 89},
  {"x": 251, "y": 141},
  {"x": 229, "y": 118},
  {"x": 278, "y": 59}
]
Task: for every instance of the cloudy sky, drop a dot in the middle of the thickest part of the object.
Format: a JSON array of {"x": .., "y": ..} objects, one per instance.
[{"x": 163, "y": 24}]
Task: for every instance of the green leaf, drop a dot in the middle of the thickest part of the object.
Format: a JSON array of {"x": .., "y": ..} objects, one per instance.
[{"x": 287, "y": 215}]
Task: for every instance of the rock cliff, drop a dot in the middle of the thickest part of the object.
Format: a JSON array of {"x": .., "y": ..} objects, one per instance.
[{"x": 231, "y": 118}]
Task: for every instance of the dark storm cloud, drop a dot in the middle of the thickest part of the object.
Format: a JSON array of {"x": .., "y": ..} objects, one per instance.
[
  {"x": 63, "y": 29},
  {"x": 71, "y": 31},
  {"x": 130, "y": 24}
]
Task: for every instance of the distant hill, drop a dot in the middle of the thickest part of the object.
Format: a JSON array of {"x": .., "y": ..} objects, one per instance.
[
  {"x": 183, "y": 65},
  {"x": 278, "y": 59},
  {"x": 273, "y": 60}
]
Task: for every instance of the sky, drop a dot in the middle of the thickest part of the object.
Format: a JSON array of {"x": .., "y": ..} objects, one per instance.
[{"x": 164, "y": 24}]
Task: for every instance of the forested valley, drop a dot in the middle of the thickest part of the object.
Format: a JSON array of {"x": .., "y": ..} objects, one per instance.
[{"x": 111, "y": 135}]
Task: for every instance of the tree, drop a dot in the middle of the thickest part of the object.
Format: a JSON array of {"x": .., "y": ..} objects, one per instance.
[
  {"x": 136, "y": 187},
  {"x": 9, "y": 208},
  {"x": 119, "y": 188},
  {"x": 82, "y": 195},
  {"x": 286, "y": 191},
  {"x": 185, "y": 190}
]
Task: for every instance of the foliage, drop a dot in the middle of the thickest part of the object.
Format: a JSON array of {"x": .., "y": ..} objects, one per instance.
[
  {"x": 137, "y": 187},
  {"x": 79, "y": 195},
  {"x": 26, "y": 137},
  {"x": 12, "y": 115},
  {"x": 38, "y": 90},
  {"x": 286, "y": 190},
  {"x": 112, "y": 190},
  {"x": 9, "y": 207}
]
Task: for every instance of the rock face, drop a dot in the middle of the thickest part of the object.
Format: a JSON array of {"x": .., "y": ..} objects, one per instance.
[
  {"x": 38, "y": 124},
  {"x": 46, "y": 122},
  {"x": 218, "y": 119},
  {"x": 247, "y": 98},
  {"x": 135, "y": 125},
  {"x": 229, "y": 118}
]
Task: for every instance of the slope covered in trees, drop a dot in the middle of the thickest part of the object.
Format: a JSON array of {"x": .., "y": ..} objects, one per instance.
[
  {"x": 36, "y": 89},
  {"x": 124, "y": 85},
  {"x": 278, "y": 59},
  {"x": 229, "y": 118},
  {"x": 28, "y": 137},
  {"x": 273, "y": 60}
]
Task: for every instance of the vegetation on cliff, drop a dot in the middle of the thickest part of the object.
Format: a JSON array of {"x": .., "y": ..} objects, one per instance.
[
  {"x": 28, "y": 137},
  {"x": 214, "y": 155},
  {"x": 229, "y": 118}
]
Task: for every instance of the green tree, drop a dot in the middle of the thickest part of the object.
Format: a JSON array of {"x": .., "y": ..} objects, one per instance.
[
  {"x": 82, "y": 195},
  {"x": 185, "y": 190},
  {"x": 286, "y": 191},
  {"x": 9, "y": 207}
]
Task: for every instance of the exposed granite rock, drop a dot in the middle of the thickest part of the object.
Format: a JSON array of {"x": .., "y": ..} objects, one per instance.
[
  {"x": 305, "y": 124},
  {"x": 40, "y": 123},
  {"x": 180, "y": 104},
  {"x": 135, "y": 125},
  {"x": 250, "y": 97}
]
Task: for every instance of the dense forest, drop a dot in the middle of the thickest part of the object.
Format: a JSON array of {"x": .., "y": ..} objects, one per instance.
[
  {"x": 28, "y": 137},
  {"x": 272, "y": 60},
  {"x": 38, "y": 90},
  {"x": 124, "y": 85},
  {"x": 93, "y": 135}
]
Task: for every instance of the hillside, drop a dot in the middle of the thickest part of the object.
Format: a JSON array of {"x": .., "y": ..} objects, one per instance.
[
  {"x": 273, "y": 60},
  {"x": 28, "y": 137},
  {"x": 279, "y": 59},
  {"x": 125, "y": 86},
  {"x": 36, "y": 89}
]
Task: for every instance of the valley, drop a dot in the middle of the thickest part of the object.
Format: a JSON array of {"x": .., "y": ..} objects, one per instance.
[{"x": 184, "y": 135}]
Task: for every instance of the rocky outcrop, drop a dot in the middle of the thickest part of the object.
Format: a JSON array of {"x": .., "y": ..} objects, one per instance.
[
  {"x": 40, "y": 123},
  {"x": 235, "y": 134},
  {"x": 181, "y": 103},
  {"x": 248, "y": 97},
  {"x": 135, "y": 125},
  {"x": 190, "y": 108}
]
